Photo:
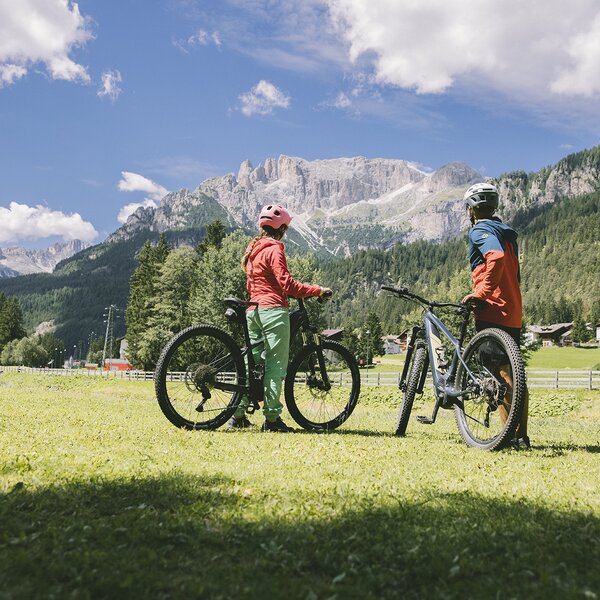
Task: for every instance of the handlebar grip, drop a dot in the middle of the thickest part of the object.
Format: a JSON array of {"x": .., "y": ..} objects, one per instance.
[
  {"x": 326, "y": 295},
  {"x": 389, "y": 288}
]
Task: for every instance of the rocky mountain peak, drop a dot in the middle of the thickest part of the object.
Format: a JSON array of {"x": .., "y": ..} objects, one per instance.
[{"x": 23, "y": 261}]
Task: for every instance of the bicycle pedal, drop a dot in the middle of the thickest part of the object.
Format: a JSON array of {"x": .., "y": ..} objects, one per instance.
[{"x": 425, "y": 420}]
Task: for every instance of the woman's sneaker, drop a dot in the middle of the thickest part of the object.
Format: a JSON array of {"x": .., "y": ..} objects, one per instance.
[
  {"x": 277, "y": 425},
  {"x": 239, "y": 423}
]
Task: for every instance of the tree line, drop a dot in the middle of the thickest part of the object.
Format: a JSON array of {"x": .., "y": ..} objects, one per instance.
[{"x": 16, "y": 348}]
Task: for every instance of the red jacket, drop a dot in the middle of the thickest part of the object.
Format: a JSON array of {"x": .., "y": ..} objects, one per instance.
[{"x": 269, "y": 281}]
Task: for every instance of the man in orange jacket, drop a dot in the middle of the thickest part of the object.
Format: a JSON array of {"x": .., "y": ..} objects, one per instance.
[{"x": 493, "y": 254}]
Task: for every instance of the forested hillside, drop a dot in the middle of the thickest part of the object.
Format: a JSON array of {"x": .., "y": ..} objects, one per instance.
[
  {"x": 75, "y": 295},
  {"x": 560, "y": 248},
  {"x": 560, "y": 245}
]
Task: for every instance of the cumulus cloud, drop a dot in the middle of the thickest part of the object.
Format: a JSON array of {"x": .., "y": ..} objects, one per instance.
[
  {"x": 20, "y": 221},
  {"x": 41, "y": 31},
  {"x": 533, "y": 48},
  {"x": 134, "y": 182},
  {"x": 262, "y": 99},
  {"x": 110, "y": 85}
]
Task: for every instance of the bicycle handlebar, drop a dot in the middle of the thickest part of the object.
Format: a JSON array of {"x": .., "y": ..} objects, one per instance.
[{"x": 403, "y": 292}]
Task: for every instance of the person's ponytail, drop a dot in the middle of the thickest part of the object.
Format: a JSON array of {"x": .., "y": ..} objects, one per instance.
[{"x": 246, "y": 256}]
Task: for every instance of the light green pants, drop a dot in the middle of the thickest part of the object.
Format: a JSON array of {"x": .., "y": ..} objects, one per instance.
[{"x": 269, "y": 330}]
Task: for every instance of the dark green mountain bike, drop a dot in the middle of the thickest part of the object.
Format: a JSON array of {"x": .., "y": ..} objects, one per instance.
[{"x": 203, "y": 375}]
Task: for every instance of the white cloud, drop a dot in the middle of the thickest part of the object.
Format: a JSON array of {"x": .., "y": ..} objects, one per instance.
[
  {"x": 129, "y": 209},
  {"x": 262, "y": 99},
  {"x": 582, "y": 77},
  {"x": 133, "y": 182},
  {"x": 9, "y": 73},
  {"x": 110, "y": 85},
  {"x": 41, "y": 31},
  {"x": 286, "y": 33},
  {"x": 20, "y": 221},
  {"x": 200, "y": 38},
  {"x": 525, "y": 50}
]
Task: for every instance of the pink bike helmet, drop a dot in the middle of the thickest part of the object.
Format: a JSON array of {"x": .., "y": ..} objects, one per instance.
[{"x": 274, "y": 216}]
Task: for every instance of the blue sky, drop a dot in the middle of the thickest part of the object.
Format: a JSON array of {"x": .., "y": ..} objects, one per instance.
[{"x": 108, "y": 104}]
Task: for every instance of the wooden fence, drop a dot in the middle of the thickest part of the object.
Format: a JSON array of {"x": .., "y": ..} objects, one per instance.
[{"x": 566, "y": 379}]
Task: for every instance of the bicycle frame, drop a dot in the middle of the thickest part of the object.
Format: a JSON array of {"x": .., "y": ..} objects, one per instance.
[{"x": 443, "y": 381}]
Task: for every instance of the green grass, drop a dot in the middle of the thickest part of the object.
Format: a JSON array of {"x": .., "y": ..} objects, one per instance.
[
  {"x": 101, "y": 497},
  {"x": 565, "y": 358}
]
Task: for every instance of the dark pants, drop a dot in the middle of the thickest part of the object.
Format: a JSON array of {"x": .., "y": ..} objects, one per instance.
[{"x": 515, "y": 334}]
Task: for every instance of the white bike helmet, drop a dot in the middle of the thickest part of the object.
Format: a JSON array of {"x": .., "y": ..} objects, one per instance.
[{"x": 480, "y": 195}]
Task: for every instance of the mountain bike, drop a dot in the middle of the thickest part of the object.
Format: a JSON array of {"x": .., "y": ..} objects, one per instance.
[
  {"x": 202, "y": 375},
  {"x": 484, "y": 382}
]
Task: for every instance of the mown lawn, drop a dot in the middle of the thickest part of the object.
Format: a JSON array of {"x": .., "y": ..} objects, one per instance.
[
  {"x": 565, "y": 358},
  {"x": 101, "y": 497},
  {"x": 544, "y": 358}
]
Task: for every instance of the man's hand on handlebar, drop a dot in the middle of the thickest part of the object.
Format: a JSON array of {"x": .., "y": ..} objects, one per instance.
[
  {"x": 326, "y": 293},
  {"x": 474, "y": 300}
]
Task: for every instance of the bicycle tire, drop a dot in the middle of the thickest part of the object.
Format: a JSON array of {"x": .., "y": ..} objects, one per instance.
[
  {"x": 412, "y": 384},
  {"x": 180, "y": 394},
  {"x": 499, "y": 344},
  {"x": 306, "y": 401}
]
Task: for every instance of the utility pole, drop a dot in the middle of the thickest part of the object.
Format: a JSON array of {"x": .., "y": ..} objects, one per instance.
[
  {"x": 108, "y": 336},
  {"x": 109, "y": 319}
]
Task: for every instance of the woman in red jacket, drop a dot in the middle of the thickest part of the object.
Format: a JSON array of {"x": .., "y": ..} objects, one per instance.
[{"x": 269, "y": 283}]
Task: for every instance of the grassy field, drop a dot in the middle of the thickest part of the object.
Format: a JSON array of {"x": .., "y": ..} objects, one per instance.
[
  {"x": 565, "y": 358},
  {"x": 100, "y": 497},
  {"x": 544, "y": 358}
]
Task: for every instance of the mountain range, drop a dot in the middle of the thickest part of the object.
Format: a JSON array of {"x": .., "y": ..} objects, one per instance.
[
  {"x": 341, "y": 206},
  {"x": 16, "y": 261}
]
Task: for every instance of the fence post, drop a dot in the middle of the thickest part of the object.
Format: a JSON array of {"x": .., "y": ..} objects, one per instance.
[
  {"x": 590, "y": 380},
  {"x": 378, "y": 379},
  {"x": 556, "y": 381}
]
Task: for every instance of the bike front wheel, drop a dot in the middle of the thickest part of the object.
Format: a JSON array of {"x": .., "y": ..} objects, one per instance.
[
  {"x": 494, "y": 384},
  {"x": 415, "y": 374},
  {"x": 198, "y": 378},
  {"x": 322, "y": 386}
]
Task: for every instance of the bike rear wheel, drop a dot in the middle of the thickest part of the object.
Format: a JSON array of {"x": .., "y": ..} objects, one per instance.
[
  {"x": 321, "y": 401},
  {"x": 189, "y": 372},
  {"x": 488, "y": 413},
  {"x": 412, "y": 384}
]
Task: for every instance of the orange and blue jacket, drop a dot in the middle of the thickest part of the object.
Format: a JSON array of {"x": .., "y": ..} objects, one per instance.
[{"x": 493, "y": 254}]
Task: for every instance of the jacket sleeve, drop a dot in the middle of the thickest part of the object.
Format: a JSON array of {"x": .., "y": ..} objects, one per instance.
[
  {"x": 287, "y": 283},
  {"x": 494, "y": 268},
  {"x": 493, "y": 253}
]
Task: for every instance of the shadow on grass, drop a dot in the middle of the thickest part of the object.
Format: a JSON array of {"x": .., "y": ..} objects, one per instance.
[
  {"x": 361, "y": 432},
  {"x": 560, "y": 448},
  {"x": 181, "y": 536}
]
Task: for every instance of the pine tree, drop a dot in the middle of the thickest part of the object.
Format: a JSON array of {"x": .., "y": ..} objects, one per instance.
[
  {"x": 215, "y": 232},
  {"x": 580, "y": 333},
  {"x": 11, "y": 321},
  {"x": 169, "y": 305},
  {"x": 142, "y": 296}
]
